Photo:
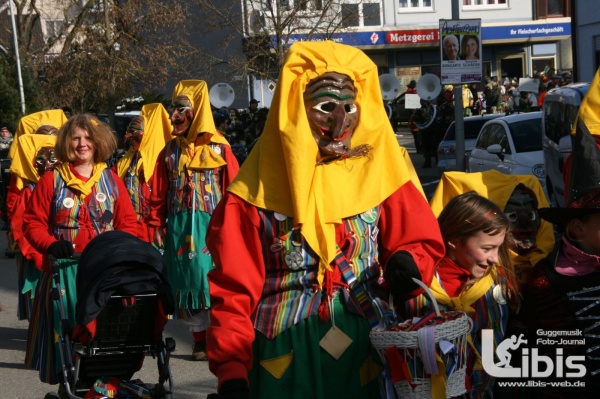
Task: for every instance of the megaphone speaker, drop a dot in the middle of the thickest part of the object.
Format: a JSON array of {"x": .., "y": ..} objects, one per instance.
[
  {"x": 221, "y": 95},
  {"x": 390, "y": 86},
  {"x": 428, "y": 86}
]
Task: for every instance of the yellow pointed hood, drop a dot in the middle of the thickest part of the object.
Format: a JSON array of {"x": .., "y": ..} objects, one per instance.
[
  {"x": 204, "y": 158},
  {"x": 30, "y": 123},
  {"x": 497, "y": 187},
  {"x": 22, "y": 164},
  {"x": 157, "y": 132},
  {"x": 281, "y": 172}
]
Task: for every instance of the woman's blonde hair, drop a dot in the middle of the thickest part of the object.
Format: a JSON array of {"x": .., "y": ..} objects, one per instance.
[
  {"x": 466, "y": 215},
  {"x": 100, "y": 134}
]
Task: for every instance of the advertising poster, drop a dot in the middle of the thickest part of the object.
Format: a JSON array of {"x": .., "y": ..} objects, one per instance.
[{"x": 460, "y": 51}]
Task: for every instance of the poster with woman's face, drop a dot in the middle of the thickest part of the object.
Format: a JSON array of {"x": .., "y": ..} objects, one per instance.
[{"x": 460, "y": 51}]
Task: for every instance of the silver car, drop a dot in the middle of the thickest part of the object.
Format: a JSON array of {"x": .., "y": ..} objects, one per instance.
[{"x": 447, "y": 147}]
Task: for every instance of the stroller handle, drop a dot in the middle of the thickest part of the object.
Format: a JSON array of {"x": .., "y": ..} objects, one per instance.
[{"x": 53, "y": 261}]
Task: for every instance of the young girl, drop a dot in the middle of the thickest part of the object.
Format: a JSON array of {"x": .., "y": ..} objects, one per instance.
[{"x": 476, "y": 277}]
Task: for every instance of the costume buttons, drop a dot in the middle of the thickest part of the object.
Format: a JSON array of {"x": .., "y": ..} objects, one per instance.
[{"x": 294, "y": 260}]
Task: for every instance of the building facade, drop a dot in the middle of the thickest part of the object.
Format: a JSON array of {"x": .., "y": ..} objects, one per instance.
[{"x": 519, "y": 38}]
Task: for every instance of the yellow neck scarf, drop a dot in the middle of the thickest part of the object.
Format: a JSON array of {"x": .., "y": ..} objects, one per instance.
[
  {"x": 196, "y": 154},
  {"x": 465, "y": 299},
  {"x": 281, "y": 173},
  {"x": 73, "y": 182}
]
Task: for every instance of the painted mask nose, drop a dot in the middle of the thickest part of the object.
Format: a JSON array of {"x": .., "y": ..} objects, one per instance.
[{"x": 339, "y": 122}]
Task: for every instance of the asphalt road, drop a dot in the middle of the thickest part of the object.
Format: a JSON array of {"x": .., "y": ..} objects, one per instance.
[{"x": 191, "y": 379}]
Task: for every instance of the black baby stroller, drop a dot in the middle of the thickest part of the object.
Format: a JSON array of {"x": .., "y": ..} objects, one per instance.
[{"x": 122, "y": 302}]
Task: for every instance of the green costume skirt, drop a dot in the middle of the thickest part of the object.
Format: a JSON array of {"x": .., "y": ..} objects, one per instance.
[
  {"x": 187, "y": 274},
  {"x": 293, "y": 365}
]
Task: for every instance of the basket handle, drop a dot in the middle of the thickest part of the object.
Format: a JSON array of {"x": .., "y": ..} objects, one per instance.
[{"x": 429, "y": 294}]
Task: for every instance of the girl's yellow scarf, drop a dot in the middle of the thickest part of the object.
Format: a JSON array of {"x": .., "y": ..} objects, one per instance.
[
  {"x": 281, "y": 173},
  {"x": 465, "y": 299},
  {"x": 83, "y": 188},
  {"x": 196, "y": 153}
]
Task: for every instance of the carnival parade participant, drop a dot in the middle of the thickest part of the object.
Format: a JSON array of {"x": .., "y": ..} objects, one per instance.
[
  {"x": 476, "y": 277},
  {"x": 34, "y": 157},
  {"x": 70, "y": 206},
  {"x": 318, "y": 213},
  {"x": 519, "y": 197},
  {"x": 145, "y": 138},
  {"x": 562, "y": 294},
  {"x": 189, "y": 180}
]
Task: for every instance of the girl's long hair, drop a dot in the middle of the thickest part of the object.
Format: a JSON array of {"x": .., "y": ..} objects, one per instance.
[{"x": 466, "y": 215}]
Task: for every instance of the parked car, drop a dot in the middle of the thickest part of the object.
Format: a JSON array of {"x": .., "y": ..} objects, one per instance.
[
  {"x": 447, "y": 147},
  {"x": 511, "y": 144},
  {"x": 400, "y": 114},
  {"x": 560, "y": 110}
]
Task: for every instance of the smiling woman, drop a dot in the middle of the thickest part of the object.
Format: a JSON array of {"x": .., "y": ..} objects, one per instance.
[{"x": 79, "y": 200}]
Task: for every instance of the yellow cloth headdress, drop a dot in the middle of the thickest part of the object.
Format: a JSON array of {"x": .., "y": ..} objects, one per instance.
[
  {"x": 281, "y": 173},
  {"x": 497, "y": 187},
  {"x": 588, "y": 110},
  {"x": 22, "y": 164},
  {"x": 30, "y": 123},
  {"x": 203, "y": 156},
  {"x": 157, "y": 132}
]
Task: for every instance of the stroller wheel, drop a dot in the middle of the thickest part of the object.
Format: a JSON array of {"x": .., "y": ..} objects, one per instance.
[{"x": 51, "y": 395}]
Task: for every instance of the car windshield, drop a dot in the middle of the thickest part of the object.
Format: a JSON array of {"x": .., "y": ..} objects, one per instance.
[
  {"x": 472, "y": 128},
  {"x": 527, "y": 135}
]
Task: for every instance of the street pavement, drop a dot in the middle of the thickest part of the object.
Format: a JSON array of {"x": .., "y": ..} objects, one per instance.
[{"x": 191, "y": 379}]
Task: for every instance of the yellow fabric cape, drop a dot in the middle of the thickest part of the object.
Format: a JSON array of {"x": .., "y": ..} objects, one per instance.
[
  {"x": 157, "y": 132},
  {"x": 497, "y": 187},
  {"x": 281, "y": 172},
  {"x": 73, "y": 182},
  {"x": 30, "y": 123},
  {"x": 22, "y": 164},
  {"x": 589, "y": 110},
  {"x": 203, "y": 156}
]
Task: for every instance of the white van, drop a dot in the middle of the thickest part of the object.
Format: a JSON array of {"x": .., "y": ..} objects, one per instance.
[{"x": 559, "y": 112}]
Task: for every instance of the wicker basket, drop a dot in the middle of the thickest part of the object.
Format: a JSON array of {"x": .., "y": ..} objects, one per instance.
[{"x": 454, "y": 329}]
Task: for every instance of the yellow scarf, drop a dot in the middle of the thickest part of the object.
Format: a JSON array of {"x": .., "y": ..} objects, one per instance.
[
  {"x": 465, "y": 299},
  {"x": 30, "y": 123},
  {"x": 73, "y": 182},
  {"x": 23, "y": 163},
  {"x": 281, "y": 172},
  {"x": 196, "y": 153},
  {"x": 157, "y": 132},
  {"x": 497, "y": 187}
]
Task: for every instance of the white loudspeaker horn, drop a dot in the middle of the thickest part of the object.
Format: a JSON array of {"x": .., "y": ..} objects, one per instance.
[
  {"x": 428, "y": 86},
  {"x": 390, "y": 86},
  {"x": 221, "y": 95}
]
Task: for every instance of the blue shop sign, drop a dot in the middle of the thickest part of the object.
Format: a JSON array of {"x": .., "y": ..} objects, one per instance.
[{"x": 406, "y": 37}]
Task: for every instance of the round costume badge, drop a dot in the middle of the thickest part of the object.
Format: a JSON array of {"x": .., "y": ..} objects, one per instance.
[
  {"x": 369, "y": 216},
  {"x": 100, "y": 197},
  {"x": 280, "y": 217},
  {"x": 498, "y": 296},
  {"x": 217, "y": 150},
  {"x": 294, "y": 260},
  {"x": 68, "y": 202}
]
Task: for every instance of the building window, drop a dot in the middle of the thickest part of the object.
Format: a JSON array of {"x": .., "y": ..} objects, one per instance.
[
  {"x": 485, "y": 3},
  {"x": 552, "y": 9},
  {"x": 302, "y": 5},
  {"x": 53, "y": 27},
  {"x": 415, "y": 5},
  {"x": 361, "y": 14}
]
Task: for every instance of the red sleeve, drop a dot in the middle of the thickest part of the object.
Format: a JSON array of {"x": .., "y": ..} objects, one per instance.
[
  {"x": 407, "y": 223},
  {"x": 236, "y": 285},
  {"x": 17, "y": 227},
  {"x": 124, "y": 218},
  {"x": 158, "y": 200},
  {"x": 12, "y": 197},
  {"x": 37, "y": 214},
  {"x": 230, "y": 170}
]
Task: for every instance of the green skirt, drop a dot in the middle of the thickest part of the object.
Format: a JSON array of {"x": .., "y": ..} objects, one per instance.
[{"x": 293, "y": 365}]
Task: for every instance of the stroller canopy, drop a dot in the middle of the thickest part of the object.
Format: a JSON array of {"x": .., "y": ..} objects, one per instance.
[{"x": 116, "y": 262}]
